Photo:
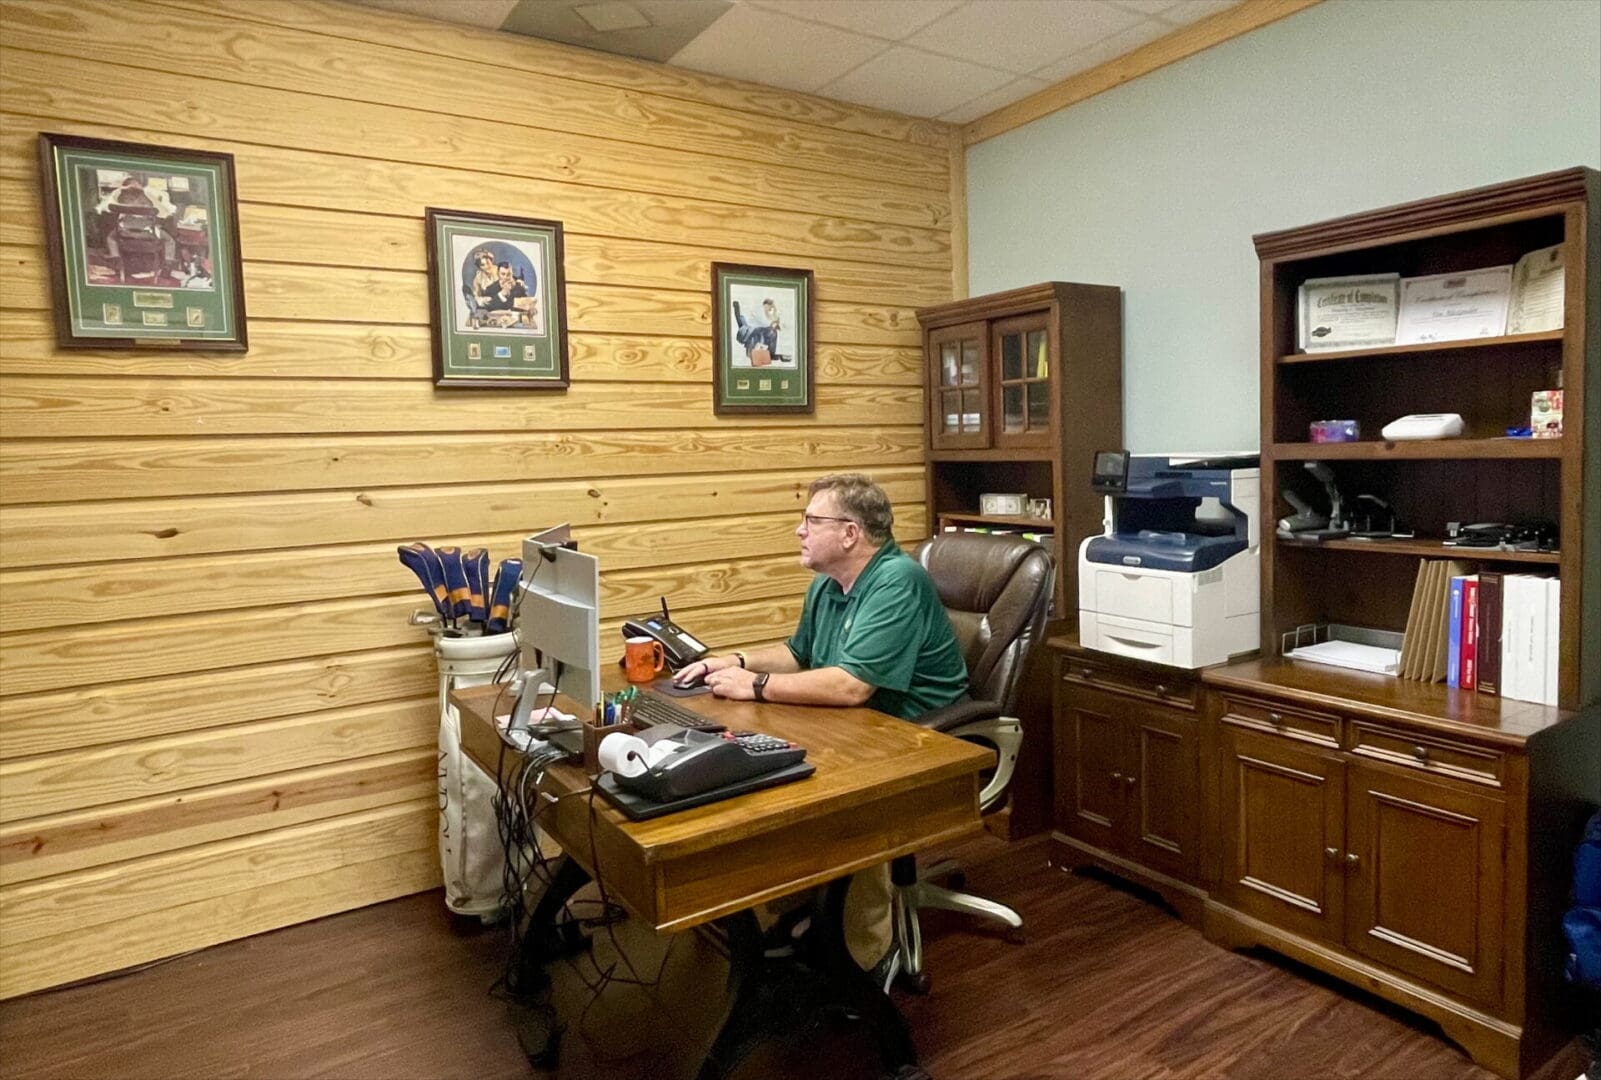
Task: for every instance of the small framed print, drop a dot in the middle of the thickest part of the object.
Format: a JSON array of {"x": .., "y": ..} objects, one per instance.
[
  {"x": 762, "y": 319},
  {"x": 143, "y": 245},
  {"x": 497, "y": 300}
]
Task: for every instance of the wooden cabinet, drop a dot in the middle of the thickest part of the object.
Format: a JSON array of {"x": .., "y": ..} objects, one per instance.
[
  {"x": 1023, "y": 387},
  {"x": 1127, "y": 772},
  {"x": 1412, "y": 839}
]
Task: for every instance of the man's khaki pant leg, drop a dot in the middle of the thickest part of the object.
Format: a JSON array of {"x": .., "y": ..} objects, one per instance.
[{"x": 869, "y": 922}]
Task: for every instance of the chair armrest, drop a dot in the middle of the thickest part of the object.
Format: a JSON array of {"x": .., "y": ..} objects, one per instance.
[
  {"x": 959, "y": 715},
  {"x": 1005, "y": 734}
]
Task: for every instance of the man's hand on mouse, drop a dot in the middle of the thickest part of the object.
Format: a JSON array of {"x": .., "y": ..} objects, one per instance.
[{"x": 697, "y": 672}]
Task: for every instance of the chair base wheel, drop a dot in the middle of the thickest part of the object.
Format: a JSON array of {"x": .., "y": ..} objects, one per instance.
[{"x": 913, "y": 984}]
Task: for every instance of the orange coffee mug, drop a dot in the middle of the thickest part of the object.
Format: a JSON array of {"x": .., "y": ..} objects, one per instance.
[{"x": 643, "y": 657}]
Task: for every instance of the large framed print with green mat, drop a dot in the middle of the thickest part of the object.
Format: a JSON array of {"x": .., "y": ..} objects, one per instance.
[
  {"x": 762, "y": 319},
  {"x": 498, "y": 301},
  {"x": 143, "y": 243}
]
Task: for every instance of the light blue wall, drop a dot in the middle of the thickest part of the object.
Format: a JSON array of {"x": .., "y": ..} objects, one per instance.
[{"x": 1157, "y": 186}]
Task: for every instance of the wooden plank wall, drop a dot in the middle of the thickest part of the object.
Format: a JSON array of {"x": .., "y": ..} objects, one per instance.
[{"x": 214, "y": 718}]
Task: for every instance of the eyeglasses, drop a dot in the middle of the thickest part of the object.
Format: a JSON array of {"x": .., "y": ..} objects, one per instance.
[{"x": 811, "y": 520}]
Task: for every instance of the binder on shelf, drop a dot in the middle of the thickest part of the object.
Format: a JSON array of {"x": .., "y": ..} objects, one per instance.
[
  {"x": 1470, "y": 632},
  {"x": 1489, "y": 633},
  {"x": 1553, "y": 632},
  {"x": 1453, "y": 635}
]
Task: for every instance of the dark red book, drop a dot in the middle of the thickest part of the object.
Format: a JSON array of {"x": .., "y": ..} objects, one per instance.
[
  {"x": 1488, "y": 647},
  {"x": 1468, "y": 664}
]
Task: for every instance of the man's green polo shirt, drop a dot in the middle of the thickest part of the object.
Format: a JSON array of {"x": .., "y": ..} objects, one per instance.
[{"x": 889, "y": 631}]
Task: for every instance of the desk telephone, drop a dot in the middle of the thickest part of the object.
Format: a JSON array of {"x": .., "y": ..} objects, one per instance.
[{"x": 680, "y": 646}]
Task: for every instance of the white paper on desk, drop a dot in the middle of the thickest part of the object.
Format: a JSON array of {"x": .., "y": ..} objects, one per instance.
[
  {"x": 1350, "y": 654},
  {"x": 548, "y": 715},
  {"x": 1537, "y": 292},
  {"x": 1454, "y": 307}
]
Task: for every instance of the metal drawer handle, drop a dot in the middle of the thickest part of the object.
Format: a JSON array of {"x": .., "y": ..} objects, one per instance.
[{"x": 1421, "y": 753}]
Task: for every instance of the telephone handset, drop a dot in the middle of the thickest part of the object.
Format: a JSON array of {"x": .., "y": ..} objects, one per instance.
[{"x": 681, "y": 647}]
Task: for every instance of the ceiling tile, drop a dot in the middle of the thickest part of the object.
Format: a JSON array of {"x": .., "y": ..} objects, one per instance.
[
  {"x": 1021, "y": 35},
  {"x": 988, "y": 103},
  {"x": 1143, "y": 32},
  {"x": 1188, "y": 11},
  {"x": 908, "y": 81},
  {"x": 1144, "y": 7},
  {"x": 489, "y": 14},
  {"x": 669, "y": 24},
  {"x": 888, "y": 19},
  {"x": 775, "y": 50}
]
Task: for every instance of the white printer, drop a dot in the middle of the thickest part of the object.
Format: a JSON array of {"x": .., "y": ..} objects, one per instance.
[{"x": 1176, "y": 576}]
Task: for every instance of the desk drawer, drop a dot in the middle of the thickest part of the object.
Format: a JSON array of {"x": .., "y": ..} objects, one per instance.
[
  {"x": 1428, "y": 753},
  {"x": 1303, "y": 725},
  {"x": 1179, "y": 691}
]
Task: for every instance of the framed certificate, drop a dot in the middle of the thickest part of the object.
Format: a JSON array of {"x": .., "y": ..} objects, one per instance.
[
  {"x": 1356, "y": 312},
  {"x": 1454, "y": 307}
]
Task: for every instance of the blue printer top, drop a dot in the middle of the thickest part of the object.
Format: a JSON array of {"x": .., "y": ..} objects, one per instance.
[{"x": 1154, "y": 522}]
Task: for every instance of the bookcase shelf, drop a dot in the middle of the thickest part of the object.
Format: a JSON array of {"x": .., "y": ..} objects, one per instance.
[
  {"x": 1028, "y": 524},
  {"x": 1482, "y": 477},
  {"x": 1428, "y": 549},
  {"x": 1427, "y": 348},
  {"x": 1419, "y": 450}
]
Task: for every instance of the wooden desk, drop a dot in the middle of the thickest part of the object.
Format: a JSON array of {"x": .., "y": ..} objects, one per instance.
[{"x": 883, "y": 788}]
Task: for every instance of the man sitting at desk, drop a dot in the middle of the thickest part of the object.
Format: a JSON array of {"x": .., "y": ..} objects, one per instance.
[{"x": 872, "y": 632}]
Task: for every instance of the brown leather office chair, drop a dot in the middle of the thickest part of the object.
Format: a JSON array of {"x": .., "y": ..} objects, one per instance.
[{"x": 996, "y": 590}]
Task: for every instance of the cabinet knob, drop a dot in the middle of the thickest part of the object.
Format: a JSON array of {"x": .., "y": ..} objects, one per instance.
[
  {"x": 1332, "y": 853},
  {"x": 1276, "y": 719},
  {"x": 1421, "y": 753},
  {"x": 1087, "y": 674},
  {"x": 1161, "y": 690},
  {"x": 1351, "y": 859},
  {"x": 1116, "y": 777},
  {"x": 1130, "y": 781}
]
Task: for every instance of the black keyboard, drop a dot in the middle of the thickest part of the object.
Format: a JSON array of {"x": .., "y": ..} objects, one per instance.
[{"x": 650, "y": 709}]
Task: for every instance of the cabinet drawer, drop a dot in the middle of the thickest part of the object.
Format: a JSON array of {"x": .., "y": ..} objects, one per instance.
[
  {"x": 1303, "y": 725},
  {"x": 1179, "y": 692},
  {"x": 1428, "y": 752}
]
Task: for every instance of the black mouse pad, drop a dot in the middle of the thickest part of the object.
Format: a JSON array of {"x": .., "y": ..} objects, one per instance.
[{"x": 665, "y": 686}]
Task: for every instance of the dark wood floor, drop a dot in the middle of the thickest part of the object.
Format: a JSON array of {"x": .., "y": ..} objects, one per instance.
[{"x": 1107, "y": 986}]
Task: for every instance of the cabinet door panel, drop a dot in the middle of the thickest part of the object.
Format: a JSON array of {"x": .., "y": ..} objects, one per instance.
[
  {"x": 1282, "y": 817},
  {"x": 1425, "y": 894},
  {"x": 957, "y": 359},
  {"x": 1090, "y": 788},
  {"x": 1022, "y": 376},
  {"x": 1163, "y": 771}
]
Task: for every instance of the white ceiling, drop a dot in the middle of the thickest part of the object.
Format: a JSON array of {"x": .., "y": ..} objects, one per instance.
[{"x": 953, "y": 60}]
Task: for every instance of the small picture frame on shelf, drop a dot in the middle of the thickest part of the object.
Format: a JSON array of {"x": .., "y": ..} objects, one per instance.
[
  {"x": 1002, "y": 505},
  {"x": 1040, "y": 508}
]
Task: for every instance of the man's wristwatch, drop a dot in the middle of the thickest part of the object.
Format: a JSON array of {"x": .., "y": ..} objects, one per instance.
[{"x": 759, "y": 687}]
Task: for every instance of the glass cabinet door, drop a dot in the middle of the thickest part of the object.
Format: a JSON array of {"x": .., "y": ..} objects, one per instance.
[
  {"x": 958, "y": 398},
  {"x": 1022, "y": 391}
]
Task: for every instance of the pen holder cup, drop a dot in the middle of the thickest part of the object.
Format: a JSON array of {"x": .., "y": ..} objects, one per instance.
[{"x": 593, "y": 734}]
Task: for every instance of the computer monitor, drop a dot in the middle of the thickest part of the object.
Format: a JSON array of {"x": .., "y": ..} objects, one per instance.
[{"x": 558, "y": 621}]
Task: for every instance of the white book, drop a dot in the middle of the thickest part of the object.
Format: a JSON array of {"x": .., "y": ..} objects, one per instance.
[
  {"x": 1553, "y": 631},
  {"x": 1511, "y": 592},
  {"x": 1530, "y": 659}
]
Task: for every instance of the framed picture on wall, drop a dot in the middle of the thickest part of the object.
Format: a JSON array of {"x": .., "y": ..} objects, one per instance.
[
  {"x": 498, "y": 301},
  {"x": 762, "y": 319},
  {"x": 143, "y": 244}
]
